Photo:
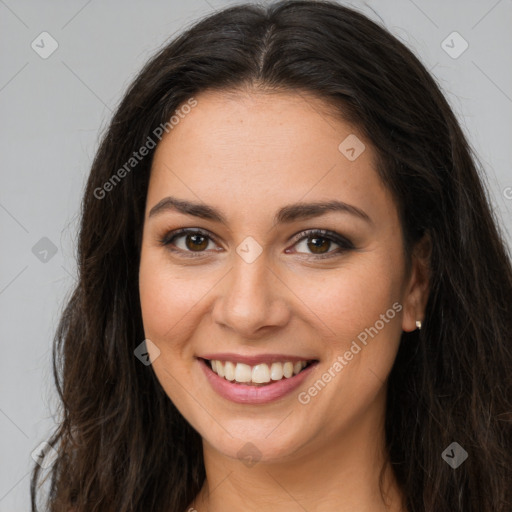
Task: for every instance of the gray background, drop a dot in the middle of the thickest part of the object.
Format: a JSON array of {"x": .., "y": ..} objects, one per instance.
[{"x": 54, "y": 109}]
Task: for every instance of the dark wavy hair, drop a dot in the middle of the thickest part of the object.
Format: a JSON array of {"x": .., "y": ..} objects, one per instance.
[{"x": 121, "y": 443}]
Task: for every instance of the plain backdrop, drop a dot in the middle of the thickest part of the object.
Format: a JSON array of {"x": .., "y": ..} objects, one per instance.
[{"x": 54, "y": 109}]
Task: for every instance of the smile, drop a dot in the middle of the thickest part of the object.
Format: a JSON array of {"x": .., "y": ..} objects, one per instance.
[
  {"x": 256, "y": 383},
  {"x": 259, "y": 374}
]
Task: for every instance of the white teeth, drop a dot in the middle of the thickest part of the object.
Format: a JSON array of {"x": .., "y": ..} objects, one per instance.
[
  {"x": 258, "y": 374},
  {"x": 288, "y": 369},
  {"x": 261, "y": 374},
  {"x": 229, "y": 370},
  {"x": 243, "y": 373},
  {"x": 276, "y": 371}
]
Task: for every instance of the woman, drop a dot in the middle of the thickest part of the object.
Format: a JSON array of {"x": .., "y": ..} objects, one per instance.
[{"x": 293, "y": 293}]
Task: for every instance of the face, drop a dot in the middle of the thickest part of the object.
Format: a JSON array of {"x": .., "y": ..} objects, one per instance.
[{"x": 251, "y": 281}]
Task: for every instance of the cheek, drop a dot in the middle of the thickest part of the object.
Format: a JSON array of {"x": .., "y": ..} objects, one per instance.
[
  {"x": 361, "y": 306},
  {"x": 168, "y": 297},
  {"x": 169, "y": 313},
  {"x": 351, "y": 299}
]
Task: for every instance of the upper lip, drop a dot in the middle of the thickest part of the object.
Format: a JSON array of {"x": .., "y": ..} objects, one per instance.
[{"x": 255, "y": 359}]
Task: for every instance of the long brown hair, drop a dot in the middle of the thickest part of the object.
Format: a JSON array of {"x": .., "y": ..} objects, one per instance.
[{"x": 121, "y": 443}]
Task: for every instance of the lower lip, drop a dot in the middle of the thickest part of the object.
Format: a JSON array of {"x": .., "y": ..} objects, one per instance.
[{"x": 244, "y": 394}]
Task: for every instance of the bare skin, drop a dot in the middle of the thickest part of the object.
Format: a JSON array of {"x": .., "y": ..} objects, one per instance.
[{"x": 248, "y": 155}]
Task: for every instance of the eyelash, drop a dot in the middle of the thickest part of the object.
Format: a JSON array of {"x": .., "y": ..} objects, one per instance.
[{"x": 332, "y": 236}]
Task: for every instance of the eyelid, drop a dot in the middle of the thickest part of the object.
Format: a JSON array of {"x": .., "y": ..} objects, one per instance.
[
  {"x": 343, "y": 242},
  {"x": 323, "y": 233},
  {"x": 172, "y": 235}
]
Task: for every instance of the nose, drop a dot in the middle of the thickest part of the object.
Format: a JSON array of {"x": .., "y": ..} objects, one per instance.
[{"x": 252, "y": 299}]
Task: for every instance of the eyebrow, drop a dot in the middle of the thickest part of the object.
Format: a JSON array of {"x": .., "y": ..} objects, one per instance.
[{"x": 286, "y": 214}]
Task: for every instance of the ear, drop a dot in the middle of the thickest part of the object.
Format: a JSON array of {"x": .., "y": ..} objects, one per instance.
[{"x": 417, "y": 287}]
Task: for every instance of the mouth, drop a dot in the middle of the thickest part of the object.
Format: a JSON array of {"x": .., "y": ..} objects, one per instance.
[
  {"x": 258, "y": 382},
  {"x": 260, "y": 374}
]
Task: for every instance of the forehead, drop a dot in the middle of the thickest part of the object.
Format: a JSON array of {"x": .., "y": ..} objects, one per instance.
[
  {"x": 273, "y": 126},
  {"x": 256, "y": 150}
]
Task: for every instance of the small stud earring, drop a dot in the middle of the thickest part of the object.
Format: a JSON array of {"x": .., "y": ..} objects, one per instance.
[{"x": 418, "y": 324}]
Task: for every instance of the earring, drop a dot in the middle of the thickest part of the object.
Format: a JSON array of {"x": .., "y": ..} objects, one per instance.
[{"x": 418, "y": 324}]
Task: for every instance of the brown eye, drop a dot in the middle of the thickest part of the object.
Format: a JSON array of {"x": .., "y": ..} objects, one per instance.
[
  {"x": 187, "y": 241},
  {"x": 318, "y": 242},
  {"x": 193, "y": 242},
  {"x": 196, "y": 242}
]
